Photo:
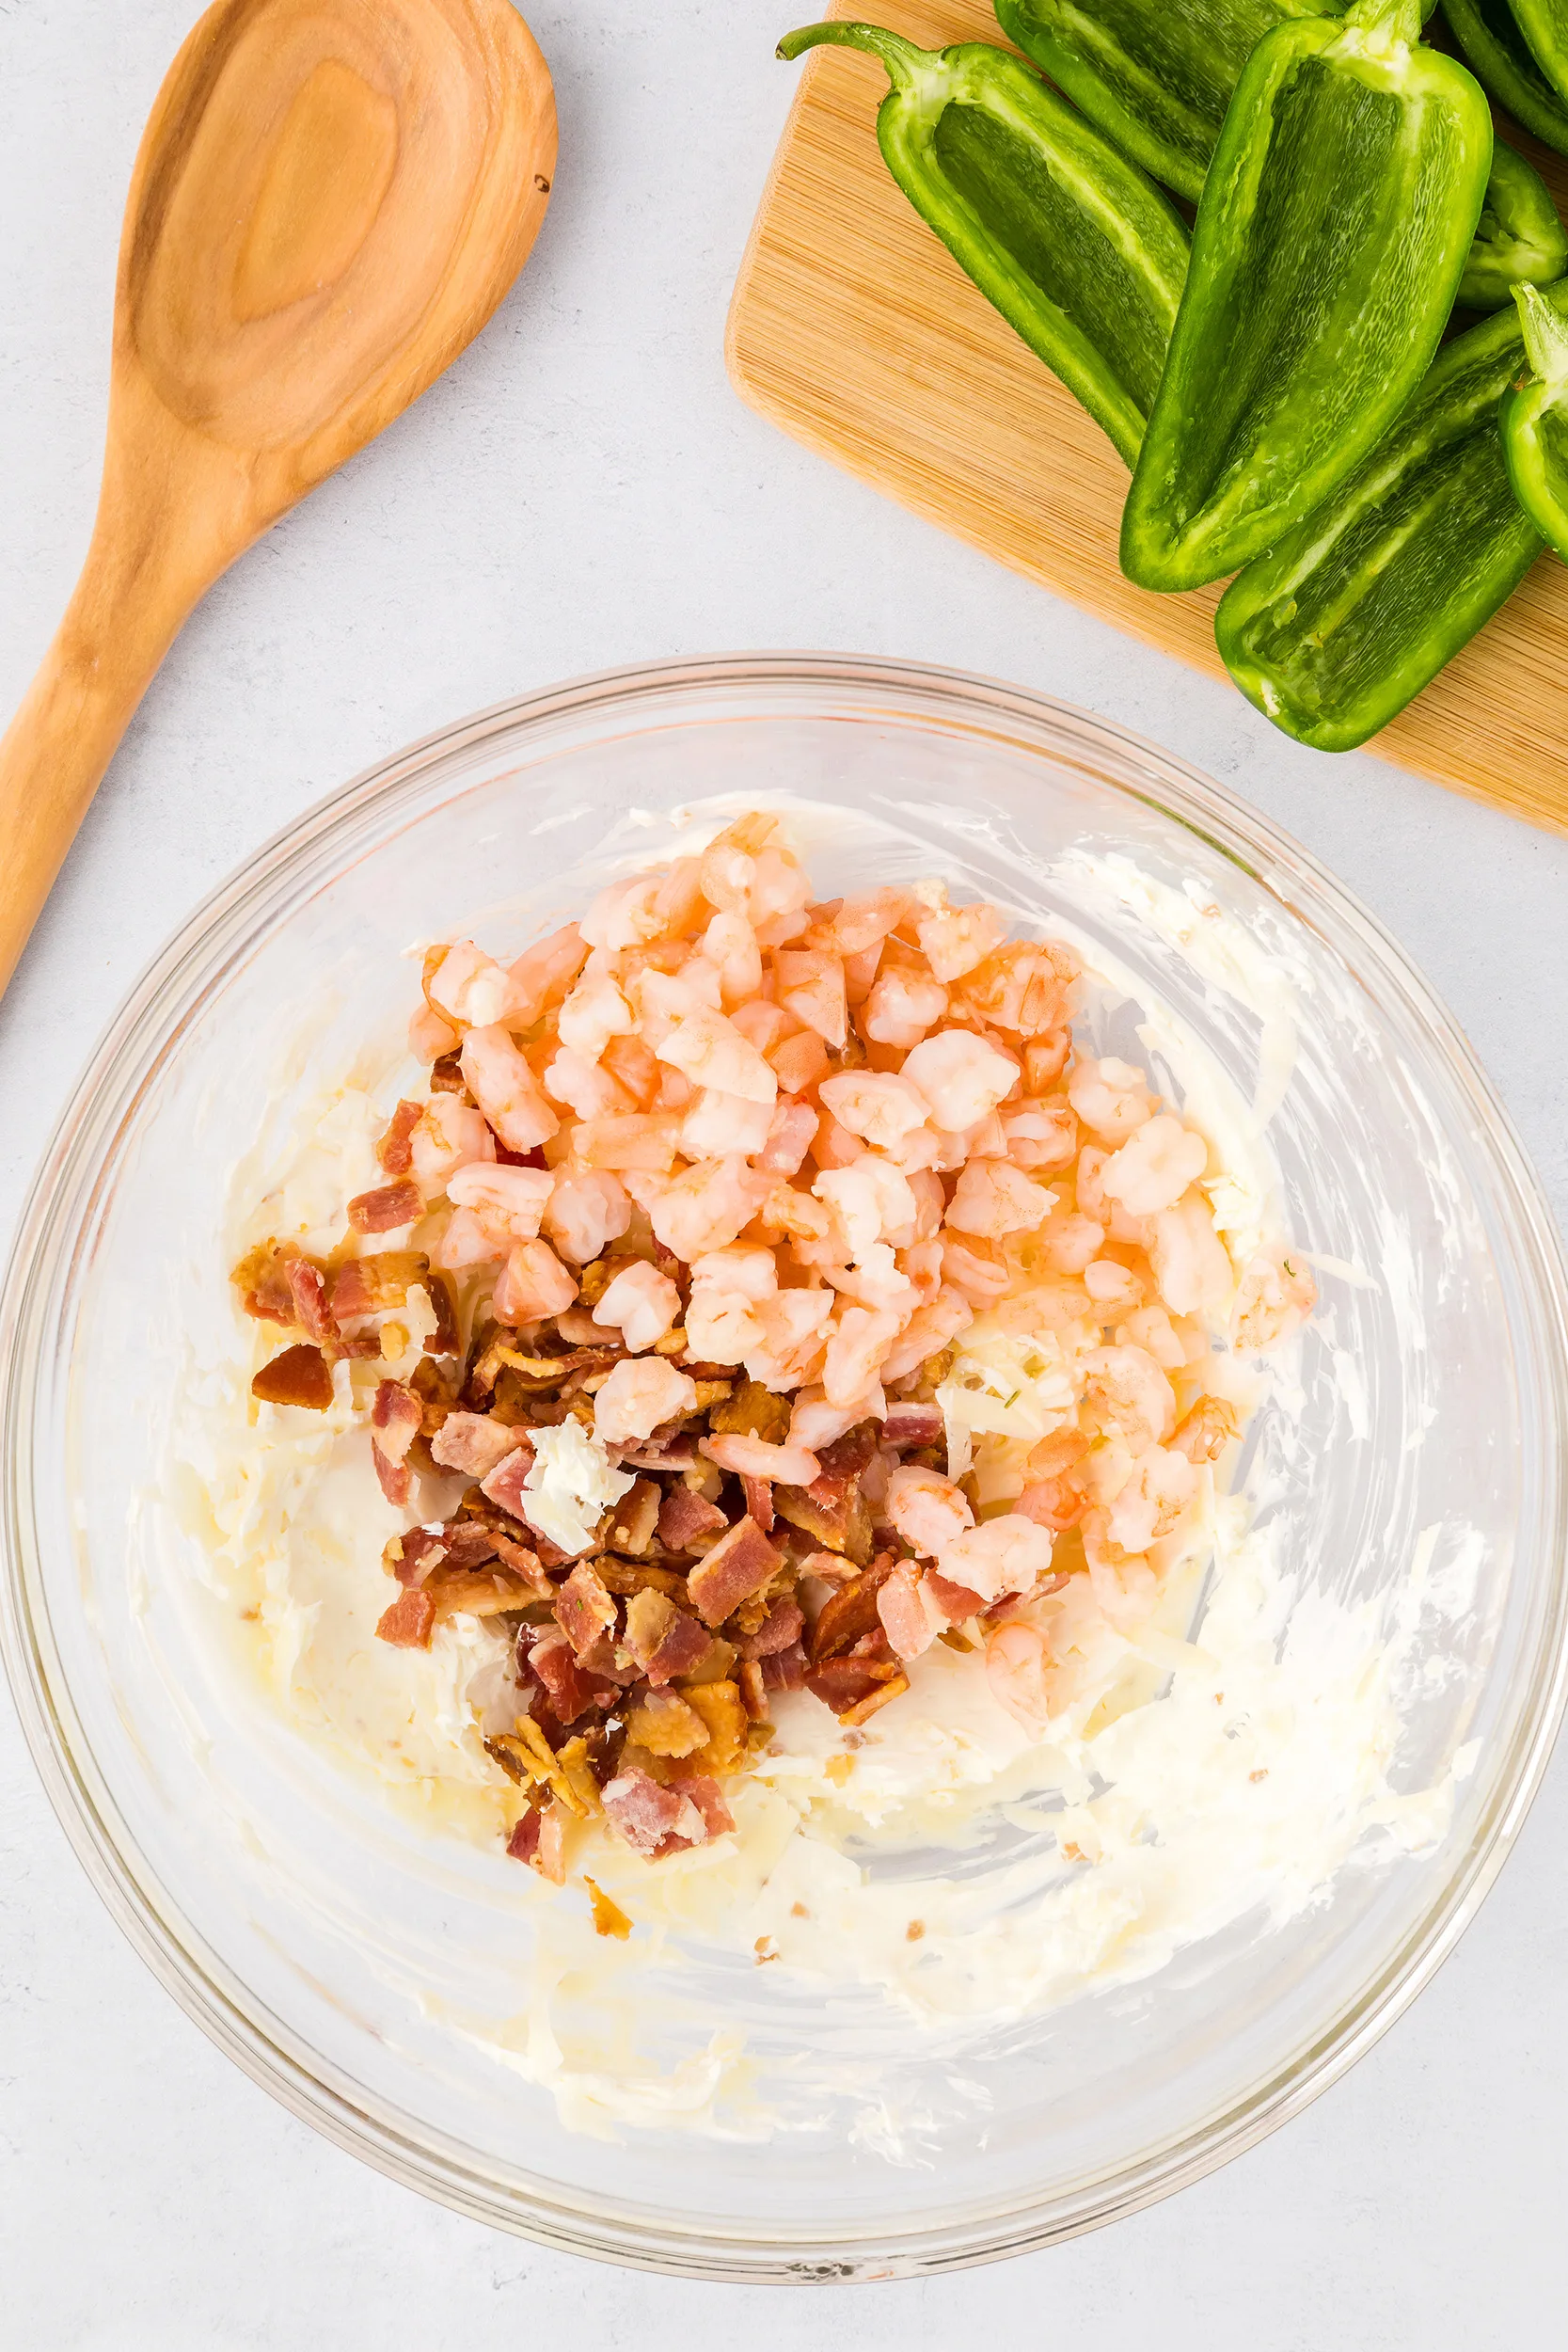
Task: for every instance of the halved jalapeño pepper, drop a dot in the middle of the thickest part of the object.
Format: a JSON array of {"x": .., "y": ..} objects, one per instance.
[
  {"x": 1074, "y": 246},
  {"x": 1331, "y": 236},
  {"x": 1357, "y": 607},
  {"x": 1519, "y": 239},
  {"x": 1534, "y": 420},
  {"x": 1500, "y": 57}
]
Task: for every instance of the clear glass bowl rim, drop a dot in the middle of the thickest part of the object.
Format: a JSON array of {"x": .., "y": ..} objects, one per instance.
[{"x": 148, "y": 1028}]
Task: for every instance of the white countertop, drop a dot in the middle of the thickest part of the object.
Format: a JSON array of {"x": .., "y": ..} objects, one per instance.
[{"x": 584, "y": 490}]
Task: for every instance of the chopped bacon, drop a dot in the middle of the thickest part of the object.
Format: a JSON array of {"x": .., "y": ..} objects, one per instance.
[
  {"x": 833, "y": 1511},
  {"x": 701, "y": 1790},
  {"x": 266, "y": 1292},
  {"x": 503, "y": 1485},
  {"x": 848, "y": 1684},
  {"x": 395, "y": 1150},
  {"x": 387, "y": 1207},
  {"x": 299, "y": 1376},
  {"x": 655, "y": 1820},
  {"x": 447, "y": 1077},
  {"x": 785, "y": 1670},
  {"x": 911, "y": 1426},
  {"x": 782, "y": 1628},
  {"x": 395, "y": 1419},
  {"x": 523, "y": 1844},
  {"x": 568, "y": 1689},
  {"x": 850, "y": 1612},
  {"x": 740, "y": 1564},
  {"x": 472, "y": 1443},
  {"x": 539, "y": 1839},
  {"x": 584, "y": 1610},
  {"x": 411, "y": 1557},
  {"x": 446, "y": 1339},
  {"x": 956, "y": 1602},
  {"x": 684, "y": 1514},
  {"x": 307, "y": 1290},
  {"x": 409, "y": 1623},
  {"x": 470, "y": 1543},
  {"x": 681, "y": 1650},
  {"x": 759, "y": 1501},
  {"x": 635, "y": 1520},
  {"x": 523, "y": 1562},
  {"x": 847, "y": 1455},
  {"x": 362, "y": 1287},
  {"x": 754, "y": 1691}
]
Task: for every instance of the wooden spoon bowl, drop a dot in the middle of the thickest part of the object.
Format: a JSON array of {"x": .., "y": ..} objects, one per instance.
[{"x": 329, "y": 200}]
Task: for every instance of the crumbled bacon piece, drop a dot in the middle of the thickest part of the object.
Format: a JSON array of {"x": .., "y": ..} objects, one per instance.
[
  {"x": 472, "y": 1443},
  {"x": 503, "y": 1485},
  {"x": 447, "y": 1077},
  {"x": 308, "y": 1289},
  {"x": 956, "y": 1602},
  {"x": 651, "y": 1818},
  {"x": 856, "y": 1686},
  {"x": 395, "y": 1148},
  {"x": 673, "y": 1453},
  {"x": 847, "y": 1455},
  {"x": 635, "y": 1520},
  {"x": 784, "y": 1669},
  {"x": 740, "y": 1565},
  {"x": 410, "y": 1620},
  {"x": 849, "y": 1613},
  {"x": 265, "y": 1289},
  {"x": 754, "y": 1691},
  {"x": 300, "y": 1375},
  {"x": 584, "y": 1610},
  {"x": 759, "y": 1501},
  {"x": 909, "y": 1428},
  {"x": 702, "y": 1790},
  {"x": 568, "y": 1689},
  {"x": 539, "y": 1839},
  {"x": 523, "y": 1562},
  {"x": 780, "y": 1629},
  {"x": 411, "y": 1557},
  {"x": 387, "y": 1207},
  {"x": 363, "y": 1286},
  {"x": 681, "y": 1650},
  {"x": 395, "y": 1418},
  {"x": 446, "y": 1339},
  {"x": 832, "y": 1512},
  {"x": 684, "y": 1514}
]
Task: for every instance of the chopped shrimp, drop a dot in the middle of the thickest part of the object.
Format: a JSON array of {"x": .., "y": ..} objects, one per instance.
[
  {"x": 861, "y": 922},
  {"x": 594, "y": 1014},
  {"x": 791, "y": 1132},
  {"x": 911, "y": 1619},
  {"x": 763, "y": 1025},
  {"x": 877, "y": 1104},
  {"x": 1154, "y": 1167},
  {"x": 1072, "y": 1242},
  {"x": 706, "y": 1206},
  {"x": 921, "y": 1263},
  {"x": 1054, "y": 1502},
  {"x": 470, "y": 987},
  {"x": 744, "y": 1266},
  {"x": 729, "y": 944},
  {"x": 1152, "y": 1328},
  {"x": 429, "y": 1035},
  {"x": 1028, "y": 987},
  {"x": 1192, "y": 1271},
  {"x": 720, "y": 1123},
  {"x": 1002, "y": 1555},
  {"x": 585, "y": 1211},
  {"x": 953, "y": 940},
  {"x": 710, "y": 1051},
  {"x": 1275, "y": 1297},
  {"x": 903, "y": 1005},
  {"x": 506, "y": 1089},
  {"x": 875, "y": 1279},
  {"x": 798, "y": 1061},
  {"x": 1040, "y": 1134},
  {"x": 754, "y": 1458},
  {"x": 992, "y": 1199},
  {"x": 926, "y": 1189},
  {"x": 960, "y": 1076},
  {"x": 867, "y": 1200},
  {"x": 632, "y": 1066},
  {"x": 973, "y": 1270},
  {"x": 856, "y": 1351},
  {"x": 1203, "y": 1435},
  {"x": 544, "y": 973},
  {"x": 447, "y": 1134},
  {"x": 1110, "y": 1096},
  {"x": 928, "y": 1329},
  {"x": 640, "y": 1394},
  {"x": 928, "y": 1511},
  {"x": 533, "y": 1284},
  {"x": 1161, "y": 1491},
  {"x": 723, "y": 1326},
  {"x": 1094, "y": 1201},
  {"x": 1115, "y": 1289},
  {"x": 833, "y": 1146},
  {"x": 510, "y": 1202},
  {"x": 584, "y": 1087},
  {"x": 743, "y": 872},
  {"x": 641, "y": 1303},
  {"x": 815, "y": 1422},
  {"x": 794, "y": 1328},
  {"x": 1018, "y": 1659},
  {"x": 468, "y": 1240},
  {"x": 811, "y": 986},
  {"x": 1125, "y": 1389},
  {"x": 1044, "y": 1060}
]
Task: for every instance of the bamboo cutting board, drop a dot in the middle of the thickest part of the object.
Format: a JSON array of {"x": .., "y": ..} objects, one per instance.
[{"x": 854, "y": 329}]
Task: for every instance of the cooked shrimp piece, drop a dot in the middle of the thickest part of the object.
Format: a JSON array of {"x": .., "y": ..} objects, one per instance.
[
  {"x": 1029, "y": 986},
  {"x": 1044, "y": 1060},
  {"x": 1040, "y": 1134},
  {"x": 974, "y": 1269},
  {"x": 798, "y": 1061},
  {"x": 509, "y": 1200},
  {"x": 631, "y": 1064},
  {"x": 1125, "y": 1389},
  {"x": 429, "y": 1035},
  {"x": 1275, "y": 1297},
  {"x": 875, "y": 1279},
  {"x": 470, "y": 987},
  {"x": 743, "y": 873},
  {"x": 1007, "y": 1554},
  {"x": 811, "y": 986},
  {"x": 903, "y": 1006},
  {"x": 1204, "y": 1433},
  {"x": 748, "y": 1267},
  {"x": 533, "y": 1284},
  {"x": 584, "y": 1087},
  {"x": 723, "y": 1326},
  {"x": 1156, "y": 1498},
  {"x": 833, "y": 1146},
  {"x": 1053, "y": 1502},
  {"x": 930, "y": 1206},
  {"x": 928, "y": 1511},
  {"x": 877, "y": 1104},
  {"x": 641, "y": 1303},
  {"x": 815, "y": 1421},
  {"x": 505, "y": 1089},
  {"x": 960, "y": 1076},
  {"x": 705, "y": 1207},
  {"x": 928, "y": 1329},
  {"x": 867, "y": 1200},
  {"x": 1153, "y": 1167},
  {"x": 953, "y": 940},
  {"x": 921, "y": 1263},
  {"x": 1115, "y": 1289},
  {"x": 710, "y": 1051},
  {"x": 754, "y": 1457},
  {"x": 860, "y": 923},
  {"x": 627, "y": 914},
  {"x": 544, "y": 973},
  {"x": 856, "y": 1351},
  {"x": 1070, "y": 1243},
  {"x": 1192, "y": 1271},
  {"x": 765, "y": 1024},
  {"x": 993, "y": 1199},
  {"x": 468, "y": 1240},
  {"x": 1110, "y": 1096},
  {"x": 586, "y": 1210},
  {"x": 794, "y": 1328},
  {"x": 791, "y": 1132},
  {"x": 911, "y": 1619},
  {"x": 1018, "y": 1659},
  {"x": 1152, "y": 1328},
  {"x": 729, "y": 944},
  {"x": 594, "y": 1014},
  {"x": 720, "y": 1123},
  {"x": 447, "y": 1134},
  {"x": 640, "y": 1394}
]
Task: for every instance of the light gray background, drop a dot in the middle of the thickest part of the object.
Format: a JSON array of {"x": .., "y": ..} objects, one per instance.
[{"x": 584, "y": 489}]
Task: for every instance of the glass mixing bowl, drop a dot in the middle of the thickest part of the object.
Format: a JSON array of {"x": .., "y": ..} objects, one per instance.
[{"x": 326, "y": 1944}]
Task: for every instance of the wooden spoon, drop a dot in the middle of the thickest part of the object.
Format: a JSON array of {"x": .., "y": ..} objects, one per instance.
[{"x": 329, "y": 200}]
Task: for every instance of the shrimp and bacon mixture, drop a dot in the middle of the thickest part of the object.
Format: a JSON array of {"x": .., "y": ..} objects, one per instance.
[{"x": 702, "y": 1195}]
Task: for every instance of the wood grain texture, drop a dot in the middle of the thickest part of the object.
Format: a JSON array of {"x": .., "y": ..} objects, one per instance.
[
  {"x": 854, "y": 330},
  {"x": 329, "y": 200}
]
